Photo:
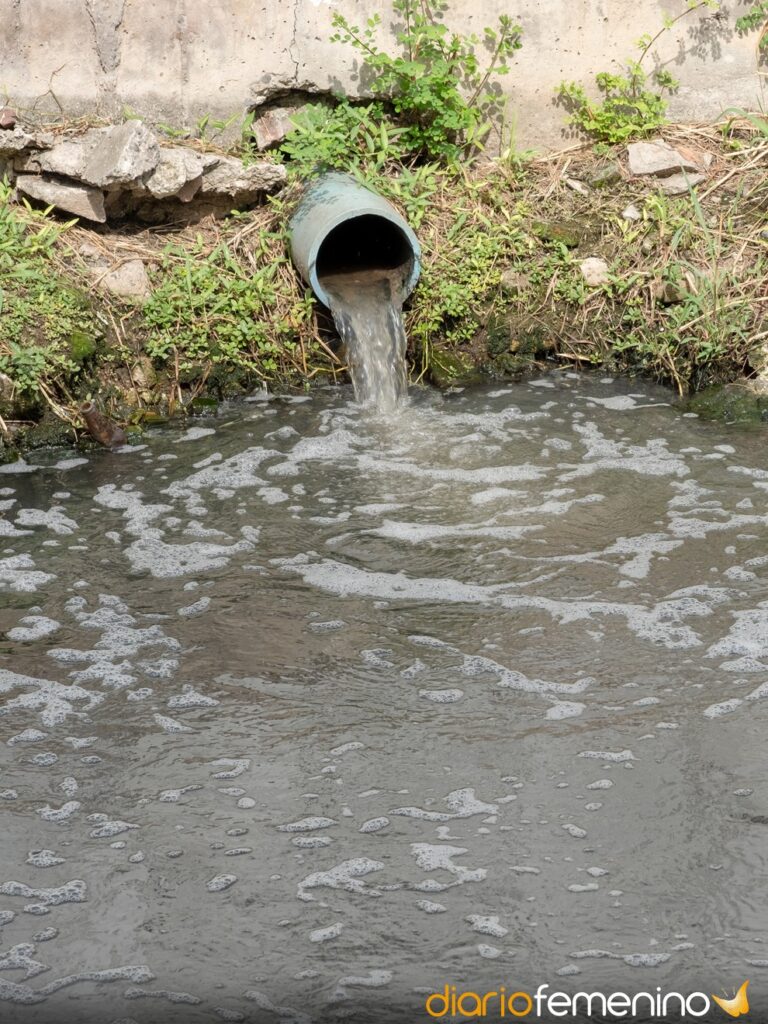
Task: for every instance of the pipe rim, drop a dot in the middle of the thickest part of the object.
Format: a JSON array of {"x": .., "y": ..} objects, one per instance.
[{"x": 393, "y": 218}]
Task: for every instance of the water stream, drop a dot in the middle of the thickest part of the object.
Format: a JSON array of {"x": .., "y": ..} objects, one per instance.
[
  {"x": 367, "y": 308},
  {"x": 306, "y": 713}
]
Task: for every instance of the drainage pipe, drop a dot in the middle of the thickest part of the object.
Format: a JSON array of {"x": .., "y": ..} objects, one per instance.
[{"x": 340, "y": 225}]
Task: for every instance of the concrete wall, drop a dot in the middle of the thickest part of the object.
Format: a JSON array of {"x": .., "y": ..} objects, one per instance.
[{"x": 175, "y": 60}]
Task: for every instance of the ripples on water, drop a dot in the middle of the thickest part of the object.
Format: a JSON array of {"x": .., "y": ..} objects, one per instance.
[{"x": 305, "y": 714}]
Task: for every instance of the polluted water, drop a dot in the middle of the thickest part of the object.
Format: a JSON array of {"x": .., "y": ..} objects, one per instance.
[
  {"x": 367, "y": 308},
  {"x": 306, "y": 713}
]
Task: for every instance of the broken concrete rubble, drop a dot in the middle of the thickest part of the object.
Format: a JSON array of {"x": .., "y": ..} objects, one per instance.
[
  {"x": 80, "y": 200},
  {"x": 230, "y": 177},
  {"x": 271, "y": 128},
  {"x": 18, "y": 140},
  {"x": 129, "y": 280},
  {"x": 179, "y": 172},
  {"x": 114, "y": 171},
  {"x": 661, "y": 160},
  {"x": 121, "y": 154}
]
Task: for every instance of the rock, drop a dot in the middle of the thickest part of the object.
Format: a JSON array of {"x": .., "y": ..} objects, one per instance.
[
  {"x": 577, "y": 186},
  {"x": 230, "y": 177},
  {"x": 79, "y": 200},
  {"x": 16, "y": 140},
  {"x": 606, "y": 175},
  {"x": 7, "y": 118},
  {"x": 179, "y": 172},
  {"x": 129, "y": 280},
  {"x": 122, "y": 154},
  {"x": 632, "y": 213},
  {"x": 513, "y": 282},
  {"x": 700, "y": 157},
  {"x": 452, "y": 369},
  {"x": 657, "y": 158},
  {"x": 67, "y": 157},
  {"x": 7, "y": 388},
  {"x": 594, "y": 271},
  {"x": 743, "y": 403},
  {"x": 568, "y": 233},
  {"x": 669, "y": 292},
  {"x": 757, "y": 358},
  {"x": 680, "y": 184},
  {"x": 271, "y": 128}
]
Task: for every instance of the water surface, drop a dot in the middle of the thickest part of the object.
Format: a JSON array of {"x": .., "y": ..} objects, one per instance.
[{"x": 306, "y": 713}]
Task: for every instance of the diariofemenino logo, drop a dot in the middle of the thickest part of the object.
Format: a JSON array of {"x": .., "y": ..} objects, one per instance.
[{"x": 502, "y": 1004}]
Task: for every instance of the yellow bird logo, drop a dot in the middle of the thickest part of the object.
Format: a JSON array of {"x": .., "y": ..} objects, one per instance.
[{"x": 738, "y": 1005}]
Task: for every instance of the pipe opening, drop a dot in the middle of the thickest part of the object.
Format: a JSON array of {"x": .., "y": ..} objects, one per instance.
[{"x": 363, "y": 244}]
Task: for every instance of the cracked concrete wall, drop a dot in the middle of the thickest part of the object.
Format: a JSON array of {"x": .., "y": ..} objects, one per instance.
[{"x": 174, "y": 60}]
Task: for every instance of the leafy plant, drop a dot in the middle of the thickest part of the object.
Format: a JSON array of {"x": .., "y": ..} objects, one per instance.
[
  {"x": 438, "y": 87},
  {"x": 212, "y": 309},
  {"x": 632, "y": 103},
  {"x": 628, "y": 108},
  {"x": 342, "y": 137},
  {"x": 48, "y": 326},
  {"x": 756, "y": 19}
]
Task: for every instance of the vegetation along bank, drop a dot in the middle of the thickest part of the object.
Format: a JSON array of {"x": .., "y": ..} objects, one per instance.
[{"x": 146, "y": 270}]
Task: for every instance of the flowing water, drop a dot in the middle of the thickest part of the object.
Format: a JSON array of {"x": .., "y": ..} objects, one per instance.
[
  {"x": 367, "y": 308},
  {"x": 305, "y": 713}
]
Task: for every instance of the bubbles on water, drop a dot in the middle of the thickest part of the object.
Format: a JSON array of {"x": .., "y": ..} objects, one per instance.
[
  {"x": 219, "y": 883},
  {"x": 538, "y": 557},
  {"x": 44, "y": 858}
]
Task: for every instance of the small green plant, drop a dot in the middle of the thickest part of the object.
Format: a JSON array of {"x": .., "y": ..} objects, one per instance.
[
  {"x": 344, "y": 137},
  {"x": 212, "y": 309},
  {"x": 756, "y": 19},
  {"x": 48, "y": 327},
  {"x": 438, "y": 87},
  {"x": 633, "y": 102},
  {"x": 628, "y": 108}
]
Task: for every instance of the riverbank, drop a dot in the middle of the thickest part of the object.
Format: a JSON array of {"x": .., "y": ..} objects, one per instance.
[{"x": 572, "y": 258}]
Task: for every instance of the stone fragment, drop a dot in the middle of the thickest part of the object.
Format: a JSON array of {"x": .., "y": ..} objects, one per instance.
[
  {"x": 67, "y": 157},
  {"x": 513, "y": 282},
  {"x": 657, "y": 158},
  {"x": 271, "y": 128},
  {"x": 79, "y": 200},
  {"x": 594, "y": 271},
  {"x": 179, "y": 172},
  {"x": 7, "y": 118},
  {"x": 631, "y": 213},
  {"x": 569, "y": 233},
  {"x": 123, "y": 153},
  {"x": 605, "y": 175},
  {"x": 230, "y": 177},
  {"x": 577, "y": 186},
  {"x": 15, "y": 140},
  {"x": 128, "y": 280},
  {"x": 679, "y": 184}
]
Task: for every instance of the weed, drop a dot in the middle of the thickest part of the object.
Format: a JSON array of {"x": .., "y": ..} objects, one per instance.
[
  {"x": 48, "y": 327},
  {"x": 756, "y": 19},
  {"x": 438, "y": 87},
  {"x": 347, "y": 136},
  {"x": 633, "y": 102}
]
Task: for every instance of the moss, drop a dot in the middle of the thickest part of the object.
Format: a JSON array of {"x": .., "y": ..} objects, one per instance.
[
  {"x": 738, "y": 404},
  {"x": 453, "y": 369},
  {"x": 50, "y": 432},
  {"x": 570, "y": 233},
  {"x": 512, "y": 365},
  {"x": 81, "y": 346}
]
